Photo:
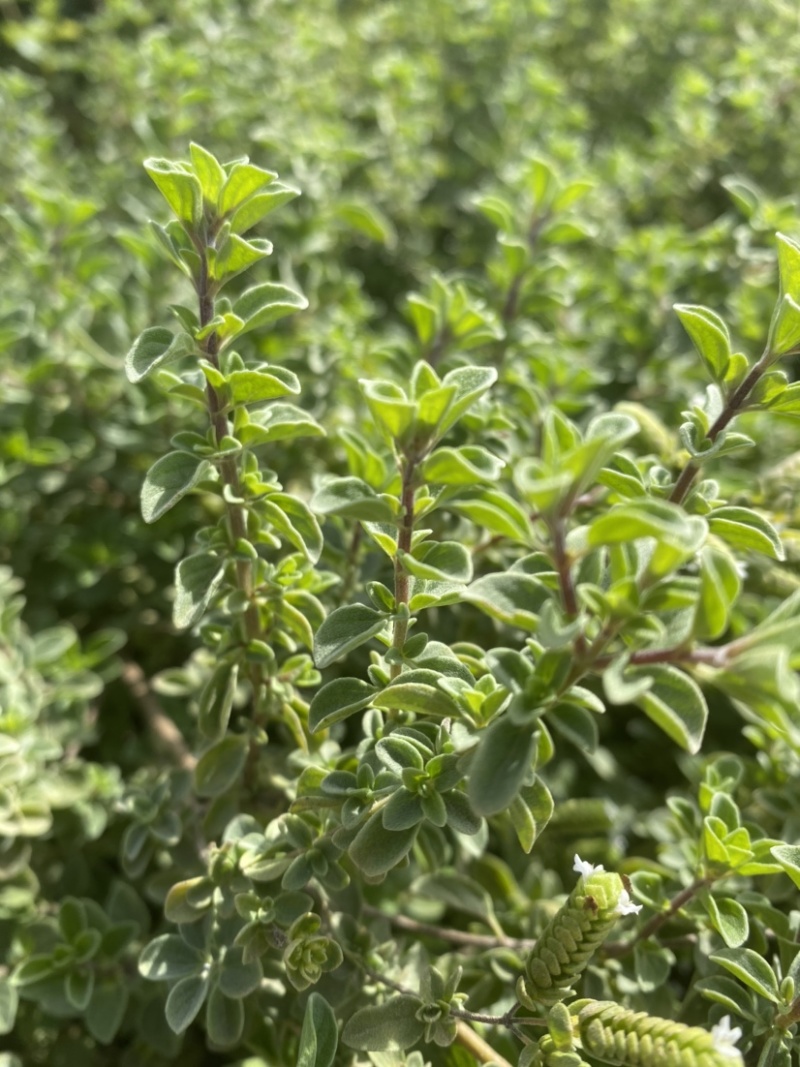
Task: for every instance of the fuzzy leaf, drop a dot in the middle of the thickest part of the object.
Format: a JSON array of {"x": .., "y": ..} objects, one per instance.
[
  {"x": 345, "y": 629},
  {"x": 319, "y": 1036},
  {"x": 391, "y": 1025},
  {"x": 337, "y": 700},
  {"x": 197, "y": 579},
  {"x": 676, "y": 704},
  {"x": 745, "y": 529},
  {"x": 266, "y": 303},
  {"x": 500, "y": 765},
  {"x": 219, "y": 768},
  {"x": 376, "y": 850},
  {"x": 185, "y": 1001},
  {"x": 168, "y": 480},
  {"x": 752, "y": 969},
  {"x": 709, "y": 335}
]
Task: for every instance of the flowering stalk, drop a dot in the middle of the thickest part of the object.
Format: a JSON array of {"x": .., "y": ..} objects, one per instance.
[
  {"x": 573, "y": 935},
  {"x": 626, "y": 1038}
]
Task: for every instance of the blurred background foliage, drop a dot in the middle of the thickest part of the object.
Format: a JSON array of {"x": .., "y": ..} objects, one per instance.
[
  {"x": 391, "y": 117},
  {"x": 396, "y": 119}
]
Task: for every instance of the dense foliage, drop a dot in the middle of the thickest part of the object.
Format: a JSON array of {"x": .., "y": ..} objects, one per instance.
[{"x": 398, "y": 628}]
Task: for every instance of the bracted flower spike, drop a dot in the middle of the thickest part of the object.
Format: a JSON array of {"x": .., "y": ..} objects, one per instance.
[
  {"x": 626, "y": 1038},
  {"x": 572, "y": 935}
]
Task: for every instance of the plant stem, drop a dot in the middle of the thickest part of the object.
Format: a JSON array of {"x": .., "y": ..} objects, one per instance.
[
  {"x": 163, "y": 729},
  {"x": 714, "y": 657},
  {"x": 405, "y": 534},
  {"x": 482, "y": 1051},
  {"x": 237, "y": 522},
  {"x": 456, "y": 937},
  {"x": 733, "y": 406}
]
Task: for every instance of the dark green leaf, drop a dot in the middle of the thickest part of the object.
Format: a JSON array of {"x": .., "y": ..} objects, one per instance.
[
  {"x": 376, "y": 850},
  {"x": 319, "y": 1036},
  {"x": 221, "y": 766},
  {"x": 345, "y": 629},
  {"x": 500, "y": 766}
]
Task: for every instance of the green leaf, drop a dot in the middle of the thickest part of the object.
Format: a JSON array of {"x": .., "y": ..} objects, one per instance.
[
  {"x": 730, "y": 994},
  {"x": 368, "y": 220},
  {"x": 788, "y": 266},
  {"x": 185, "y": 1001},
  {"x": 495, "y": 511},
  {"x": 180, "y": 189},
  {"x": 72, "y": 919},
  {"x": 188, "y": 901},
  {"x": 244, "y": 181},
  {"x": 403, "y": 810},
  {"x": 257, "y": 207},
  {"x": 319, "y": 1036},
  {"x": 719, "y": 589},
  {"x": 470, "y": 384},
  {"x": 255, "y": 386},
  {"x": 744, "y": 528},
  {"x": 266, "y": 303},
  {"x": 469, "y": 465},
  {"x": 345, "y": 629},
  {"x": 375, "y": 850},
  {"x": 709, "y": 335},
  {"x": 292, "y": 519},
  {"x": 729, "y": 919},
  {"x": 391, "y": 1025},
  {"x": 337, "y": 700},
  {"x": 789, "y": 858},
  {"x": 653, "y": 965},
  {"x": 439, "y": 561},
  {"x": 575, "y": 724},
  {"x": 414, "y": 695},
  {"x": 238, "y": 255},
  {"x": 9, "y": 1000},
  {"x": 496, "y": 210},
  {"x": 168, "y": 480},
  {"x": 169, "y": 957},
  {"x": 224, "y": 1019},
  {"x": 78, "y": 988},
  {"x": 503, "y": 759},
  {"x": 784, "y": 331},
  {"x": 676, "y": 704},
  {"x": 197, "y": 579},
  {"x": 106, "y": 1010},
  {"x": 278, "y": 422},
  {"x": 389, "y": 406},
  {"x": 424, "y": 316},
  {"x": 220, "y": 766},
  {"x": 209, "y": 172},
  {"x": 353, "y": 499},
  {"x": 752, "y": 969},
  {"x": 513, "y": 598},
  {"x": 216, "y": 701},
  {"x": 457, "y": 891},
  {"x": 530, "y": 811},
  {"x": 156, "y": 347}
]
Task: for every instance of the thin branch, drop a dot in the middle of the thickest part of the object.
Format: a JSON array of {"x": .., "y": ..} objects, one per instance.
[
  {"x": 405, "y": 534},
  {"x": 163, "y": 729},
  {"x": 734, "y": 404},
  {"x": 456, "y": 937},
  {"x": 479, "y": 1048},
  {"x": 616, "y": 949},
  {"x": 713, "y": 657}
]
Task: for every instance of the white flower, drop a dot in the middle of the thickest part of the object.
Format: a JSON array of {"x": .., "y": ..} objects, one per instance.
[
  {"x": 725, "y": 1037},
  {"x": 626, "y": 905},
  {"x": 584, "y": 868}
]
